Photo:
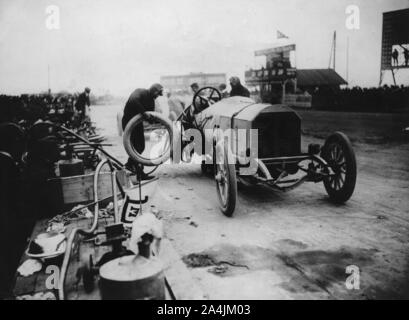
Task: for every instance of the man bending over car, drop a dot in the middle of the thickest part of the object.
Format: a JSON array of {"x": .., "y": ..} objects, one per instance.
[{"x": 140, "y": 101}]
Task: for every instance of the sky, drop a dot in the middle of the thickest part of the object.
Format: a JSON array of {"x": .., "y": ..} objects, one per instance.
[{"x": 116, "y": 46}]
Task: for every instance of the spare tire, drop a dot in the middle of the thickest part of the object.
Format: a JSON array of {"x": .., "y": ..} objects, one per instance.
[{"x": 130, "y": 148}]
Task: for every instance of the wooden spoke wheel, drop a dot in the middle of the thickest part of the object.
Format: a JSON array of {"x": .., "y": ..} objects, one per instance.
[
  {"x": 226, "y": 183},
  {"x": 338, "y": 152}
]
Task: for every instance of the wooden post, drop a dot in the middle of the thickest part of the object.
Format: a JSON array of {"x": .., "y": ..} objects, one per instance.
[
  {"x": 335, "y": 48},
  {"x": 347, "y": 62},
  {"x": 393, "y": 76},
  {"x": 283, "y": 95}
]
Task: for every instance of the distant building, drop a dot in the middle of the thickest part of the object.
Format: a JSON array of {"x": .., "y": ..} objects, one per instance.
[
  {"x": 180, "y": 83},
  {"x": 280, "y": 82},
  {"x": 277, "y": 76},
  {"x": 310, "y": 79}
]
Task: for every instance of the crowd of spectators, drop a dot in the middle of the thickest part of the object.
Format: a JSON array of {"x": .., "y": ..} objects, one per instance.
[
  {"x": 29, "y": 152},
  {"x": 380, "y": 99},
  {"x": 26, "y": 109}
]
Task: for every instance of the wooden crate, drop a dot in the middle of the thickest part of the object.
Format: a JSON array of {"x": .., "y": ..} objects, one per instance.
[{"x": 80, "y": 189}]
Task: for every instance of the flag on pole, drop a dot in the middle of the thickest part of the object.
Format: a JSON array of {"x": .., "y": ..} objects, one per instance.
[{"x": 281, "y": 35}]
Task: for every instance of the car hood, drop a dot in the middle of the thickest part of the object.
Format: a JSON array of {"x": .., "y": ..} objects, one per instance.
[{"x": 243, "y": 108}]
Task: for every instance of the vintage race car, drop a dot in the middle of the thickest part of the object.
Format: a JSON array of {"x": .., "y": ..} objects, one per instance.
[
  {"x": 269, "y": 149},
  {"x": 258, "y": 143}
]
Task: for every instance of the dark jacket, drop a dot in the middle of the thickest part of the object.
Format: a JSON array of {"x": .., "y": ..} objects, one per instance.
[
  {"x": 82, "y": 101},
  {"x": 139, "y": 101},
  {"x": 239, "y": 90}
]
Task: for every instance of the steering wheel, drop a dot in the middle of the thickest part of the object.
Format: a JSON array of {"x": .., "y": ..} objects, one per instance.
[{"x": 205, "y": 97}]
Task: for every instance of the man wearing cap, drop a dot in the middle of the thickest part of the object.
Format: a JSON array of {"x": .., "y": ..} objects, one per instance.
[
  {"x": 195, "y": 87},
  {"x": 83, "y": 102},
  {"x": 223, "y": 90},
  {"x": 237, "y": 89},
  {"x": 140, "y": 101}
]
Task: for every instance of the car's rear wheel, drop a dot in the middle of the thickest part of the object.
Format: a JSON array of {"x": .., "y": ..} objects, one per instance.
[
  {"x": 338, "y": 152},
  {"x": 226, "y": 183}
]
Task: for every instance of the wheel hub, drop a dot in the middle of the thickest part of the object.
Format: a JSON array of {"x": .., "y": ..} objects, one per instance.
[{"x": 220, "y": 177}]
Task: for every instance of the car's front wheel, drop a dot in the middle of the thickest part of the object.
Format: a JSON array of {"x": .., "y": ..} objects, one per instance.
[
  {"x": 226, "y": 182},
  {"x": 338, "y": 152}
]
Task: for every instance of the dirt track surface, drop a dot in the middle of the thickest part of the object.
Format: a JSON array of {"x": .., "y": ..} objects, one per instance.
[{"x": 294, "y": 245}]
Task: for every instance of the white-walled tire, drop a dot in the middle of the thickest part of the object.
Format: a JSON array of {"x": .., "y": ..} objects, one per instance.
[{"x": 130, "y": 148}]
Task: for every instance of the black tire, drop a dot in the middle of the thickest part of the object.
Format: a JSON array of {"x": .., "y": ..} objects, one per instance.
[
  {"x": 340, "y": 156},
  {"x": 226, "y": 185}
]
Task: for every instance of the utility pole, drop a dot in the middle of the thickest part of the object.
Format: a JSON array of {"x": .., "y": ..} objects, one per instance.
[
  {"x": 347, "y": 72},
  {"x": 332, "y": 55},
  {"x": 335, "y": 47},
  {"x": 48, "y": 78}
]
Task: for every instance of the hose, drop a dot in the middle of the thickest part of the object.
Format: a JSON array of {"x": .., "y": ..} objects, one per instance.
[{"x": 67, "y": 255}]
